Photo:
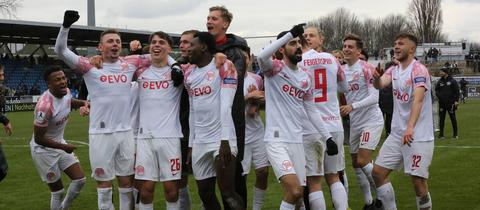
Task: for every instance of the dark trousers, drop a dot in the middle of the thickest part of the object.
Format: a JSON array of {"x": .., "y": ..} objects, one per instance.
[
  {"x": 443, "y": 109},
  {"x": 3, "y": 164},
  {"x": 387, "y": 117}
]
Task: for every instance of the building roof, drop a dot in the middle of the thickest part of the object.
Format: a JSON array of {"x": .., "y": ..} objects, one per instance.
[{"x": 31, "y": 32}]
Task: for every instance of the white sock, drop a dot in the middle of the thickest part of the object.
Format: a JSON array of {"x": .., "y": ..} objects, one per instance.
[
  {"x": 386, "y": 194},
  {"x": 184, "y": 198},
  {"x": 135, "y": 198},
  {"x": 173, "y": 205},
  {"x": 56, "y": 199},
  {"x": 143, "y": 206},
  {"x": 367, "y": 170},
  {"x": 105, "y": 198},
  {"x": 317, "y": 201},
  {"x": 339, "y": 196},
  {"x": 364, "y": 185},
  {"x": 258, "y": 197},
  {"x": 287, "y": 206},
  {"x": 425, "y": 202},
  {"x": 345, "y": 181},
  {"x": 73, "y": 191},
  {"x": 126, "y": 198}
]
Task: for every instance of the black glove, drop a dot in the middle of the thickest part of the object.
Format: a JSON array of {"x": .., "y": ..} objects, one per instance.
[
  {"x": 332, "y": 148},
  {"x": 69, "y": 18},
  {"x": 177, "y": 74},
  {"x": 297, "y": 30}
]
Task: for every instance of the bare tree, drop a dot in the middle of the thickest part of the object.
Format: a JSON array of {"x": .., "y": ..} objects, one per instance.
[
  {"x": 8, "y": 8},
  {"x": 426, "y": 16},
  {"x": 335, "y": 25}
]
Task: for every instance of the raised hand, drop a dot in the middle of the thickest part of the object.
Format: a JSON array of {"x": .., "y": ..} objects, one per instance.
[{"x": 70, "y": 17}]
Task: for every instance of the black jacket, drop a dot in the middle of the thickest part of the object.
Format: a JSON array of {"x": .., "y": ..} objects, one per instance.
[
  {"x": 233, "y": 50},
  {"x": 447, "y": 91}
]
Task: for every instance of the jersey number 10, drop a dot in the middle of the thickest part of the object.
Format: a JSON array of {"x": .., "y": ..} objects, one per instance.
[{"x": 320, "y": 81}]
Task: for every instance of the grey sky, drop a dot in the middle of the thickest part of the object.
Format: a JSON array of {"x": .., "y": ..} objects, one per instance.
[{"x": 251, "y": 17}]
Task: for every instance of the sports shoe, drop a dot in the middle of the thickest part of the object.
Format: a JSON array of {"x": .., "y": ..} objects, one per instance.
[
  {"x": 369, "y": 207},
  {"x": 441, "y": 137},
  {"x": 455, "y": 137}
]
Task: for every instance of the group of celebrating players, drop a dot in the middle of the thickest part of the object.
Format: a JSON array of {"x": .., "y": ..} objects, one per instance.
[{"x": 154, "y": 119}]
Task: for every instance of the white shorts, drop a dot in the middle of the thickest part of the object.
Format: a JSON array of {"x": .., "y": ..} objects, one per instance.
[
  {"x": 335, "y": 163},
  {"x": 314, "y": 148},
  {"x": 50, "y": 164},
  {"x": 255, "y": 152},
  {"x": 287, "y": 158},
  {"x": 365, "y": 138},
  {"x": 112, "y": 154},
  {"x": 416, "y": 158},
  {"x": 203, "y": 158},
  {"x": 158, "y": 159}
]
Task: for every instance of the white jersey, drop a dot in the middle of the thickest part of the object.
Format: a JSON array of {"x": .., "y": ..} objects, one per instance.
[
  {"x": 159, "y": 104},
  {"x": 362, "y": 95},
  {"x": 108, "y": 87},
  {"x": 404, "y": 82},
  {"x": 211, "y": 91},
  {"x": 327, "y": 74},
  {"x": 254, "y": 129},
  {"x": 288, "y": 96},
  {"x": 52, "y": 112},
  {"x": 134, "y": 108}
]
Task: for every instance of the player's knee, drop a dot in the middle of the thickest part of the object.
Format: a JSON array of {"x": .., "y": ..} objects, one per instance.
[
  {"x": 362, "y": 161},
  {"x": 171, "y": 195},
  {"x": 261, "y": 173}
]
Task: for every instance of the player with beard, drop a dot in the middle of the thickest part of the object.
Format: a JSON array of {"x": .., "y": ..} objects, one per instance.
[
  {"x": 328, "y": 79},
  {"x": 218, "y": 22},
  {"x": 50, "y": 152},
  {"x": 112, "y": 146},
  {"x": 212, "y": 134},
  {"x": 410, "y": 142},
  {"x": 288, "y": 93},
  {"x": 366, "y": 120}
]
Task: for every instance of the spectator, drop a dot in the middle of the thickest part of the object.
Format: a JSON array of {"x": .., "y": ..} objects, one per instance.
[
  {"x": 447, "y": 93},
  {"x": 385, "y": 101},
  {"x": 464, "y": 89},
  {"x": 8, "y": 127}
]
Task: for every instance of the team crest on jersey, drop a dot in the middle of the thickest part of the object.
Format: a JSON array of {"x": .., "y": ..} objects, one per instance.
[
  {"x": 140, "y": 170},
  {"x": 99, "y": 172},
  {"x": 51, "y": 176},
  {"x": 41, "y": 117},
  {"x": 124, "y": 66},
  {"x": 210, "y": 75},
  {"x": 287, "y": 165},
  {"x": 304, "y": 83}
]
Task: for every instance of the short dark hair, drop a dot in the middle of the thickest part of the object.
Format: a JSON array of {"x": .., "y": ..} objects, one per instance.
[
  {"x": 411, "y": 37},
  {"x": 49, "y": 70},
  {"x": 192, "y": 32},
  {"x": 226, "y": 15},
  {"x": 208, "y": 40},
  {"x": 162, "y": 35},
  {"x": 108, "y": 31},
  {"x": 365, "y": 53},
  {"x": 355, "y": 38}
]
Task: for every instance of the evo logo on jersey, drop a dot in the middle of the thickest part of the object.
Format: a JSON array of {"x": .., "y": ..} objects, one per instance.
[
  {"x": 155, "y": 85},
  {"x": 116, "y": 78},
  {"x": 293, "y": 91},
  {"x": 205, "y": 90},
  {"x": 405, "y": 97}
]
